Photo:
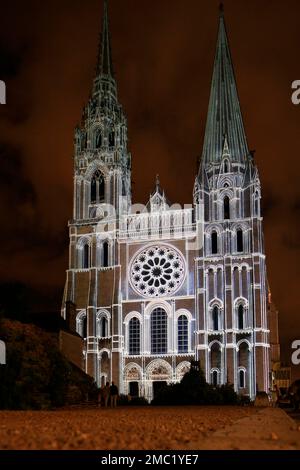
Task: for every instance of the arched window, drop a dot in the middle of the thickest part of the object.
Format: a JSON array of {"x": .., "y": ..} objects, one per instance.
[
  {"x": 134, "y": 336},
  {"x": 226, "y": 208},
  {"x": 183, "y": 334},
  {"x": 86, "y": 256},
  {"x": 103, "y": 327},
  {"x": 83, "y": 141},
  {"x": 105, "y": 254},
  {"x": 93, "y": 191},
  {"x": 240, "y": 241},
  {"x": 241, "y": 317},
  {"x": 215, "y": 318},
  {"x": 102, "y": 189},
  {"x": 97, "y": 188},
  {"x": 98, "y": 139},
  {"x": 111, "y": 139},
  {"x": 105, "y": 365},
  {"x": 214, "y": 243},
  {"x": 226, "y": 166},
  {"x": 215, "y": 356},
  {"x": 84, "y": 327},
  {"x": 159, "y": 331},
  {"x": 243, "y": 364},
  {"x": 242, "y": 378},
  {"x": 81, "y": 325},
  {"x": 215, "y": 378}
]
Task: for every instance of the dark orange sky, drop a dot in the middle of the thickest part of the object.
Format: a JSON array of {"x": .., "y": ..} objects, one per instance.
[{"x": 163, "y": 53}]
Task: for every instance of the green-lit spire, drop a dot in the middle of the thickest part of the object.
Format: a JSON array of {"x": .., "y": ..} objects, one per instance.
[
  {"x": 224, "y": 113},
  {"x": 105, "y": 65}
]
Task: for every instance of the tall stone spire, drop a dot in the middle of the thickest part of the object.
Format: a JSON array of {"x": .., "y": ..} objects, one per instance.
[
  {"x": 105, "y": 65},
  {"x": 224, "y": 119}
]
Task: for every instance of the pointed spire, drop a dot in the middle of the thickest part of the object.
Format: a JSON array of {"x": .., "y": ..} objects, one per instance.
[
  {"x": 224, "y": 112},
  {"x": 105, "y": 65},
  {"x": 157, "y": 183},
  {"x": 157, "y": 189},
  {"x": 158, "y": 200},
  {"x": 225, "y": 147}
]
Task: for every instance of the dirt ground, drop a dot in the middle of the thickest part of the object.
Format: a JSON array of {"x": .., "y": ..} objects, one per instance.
[{"x": 134, "y": 428}]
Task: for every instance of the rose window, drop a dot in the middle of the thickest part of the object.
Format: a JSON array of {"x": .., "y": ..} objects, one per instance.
[{"x": 157, "y": 271}]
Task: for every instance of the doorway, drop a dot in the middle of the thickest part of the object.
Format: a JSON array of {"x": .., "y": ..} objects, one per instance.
[{"x": 134, "y": 389}]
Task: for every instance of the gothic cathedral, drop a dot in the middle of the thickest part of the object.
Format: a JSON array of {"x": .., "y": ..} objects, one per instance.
[{"x": 149, "y": 291}]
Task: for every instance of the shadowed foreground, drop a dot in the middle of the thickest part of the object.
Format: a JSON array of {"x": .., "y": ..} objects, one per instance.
[{"x": 149, "y": 428}]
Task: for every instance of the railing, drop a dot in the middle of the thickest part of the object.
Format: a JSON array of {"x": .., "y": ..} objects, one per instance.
[
  {"x": 167, "y": 224},
  {"x": 165, "y": 232}
]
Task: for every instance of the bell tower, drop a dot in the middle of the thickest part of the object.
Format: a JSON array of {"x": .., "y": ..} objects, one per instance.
[
  {"x": 102, "y": 163},
  {"x": 233, "y": 326},
  {"x": 102, "y": 195}
]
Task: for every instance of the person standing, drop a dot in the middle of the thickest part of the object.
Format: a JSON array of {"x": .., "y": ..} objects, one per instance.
[
  {"x": 101, "y": 396},
  {"x": 275, "y": 396},
  {"x": 106, "y": 394},
  {"x": 114, "y": 392}
]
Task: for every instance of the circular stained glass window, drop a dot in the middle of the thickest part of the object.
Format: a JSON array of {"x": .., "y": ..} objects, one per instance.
[{"x": 157, "y": 271}]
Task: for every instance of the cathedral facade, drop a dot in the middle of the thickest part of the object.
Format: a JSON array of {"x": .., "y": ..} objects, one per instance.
[{"x": 149, "y": 291}]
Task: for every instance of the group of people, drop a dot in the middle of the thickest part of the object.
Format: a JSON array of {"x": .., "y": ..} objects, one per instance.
[{"x": 108, "y": 394}]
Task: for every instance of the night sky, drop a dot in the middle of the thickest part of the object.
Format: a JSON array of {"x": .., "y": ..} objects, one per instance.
[{"x": 163, "y": 53}]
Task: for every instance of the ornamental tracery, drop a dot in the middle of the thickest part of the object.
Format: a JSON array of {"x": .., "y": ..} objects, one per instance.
[{"x": 157, "y": 271}]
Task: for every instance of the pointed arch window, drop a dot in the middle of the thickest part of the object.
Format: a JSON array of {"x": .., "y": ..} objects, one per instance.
[
  {"x": 81, "y": 325},
  {"x": 216, "y": 319},
  {"x": 215, "y": 356},
  {"x": 84, "y": 327},
  {"x": 111, "y": 139},
  {"x": 86, "y": 256},
  {"x": 240, "y": 241},
  {"x": 215, "y": 378},
  {"x": 183, "y": 334},
  {"x": 105, "y": 254},
  {"x": 241, "y": 319},
  {"x": 103, "y": 327},
  {"x": 93, "y": 190},
  {"x": 226, "y": 204},
  {"x": 134, "y": 337},
  {"x": 98, "y": 139},
  {"x": 214, "y": 243},
  {"x": 159, "y": 331},
  {"x": 83, "y": 141},
  {"x": 226, "y": 166},
  {"x": 242, "y": 378},
  {"x": 97, "y": 188},
  {"x": 244, "y": 363}
]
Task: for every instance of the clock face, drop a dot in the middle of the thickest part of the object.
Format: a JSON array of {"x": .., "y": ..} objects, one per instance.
[{"x": 157, "y": 271}]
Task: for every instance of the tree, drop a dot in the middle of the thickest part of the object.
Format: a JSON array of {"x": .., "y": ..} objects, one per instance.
[{"x": 36, "y": 374}]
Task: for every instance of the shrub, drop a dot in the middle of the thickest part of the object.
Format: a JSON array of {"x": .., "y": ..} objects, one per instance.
[
  {"x": 194, "y": 390},
  {"x": 126, "y": 400}
]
